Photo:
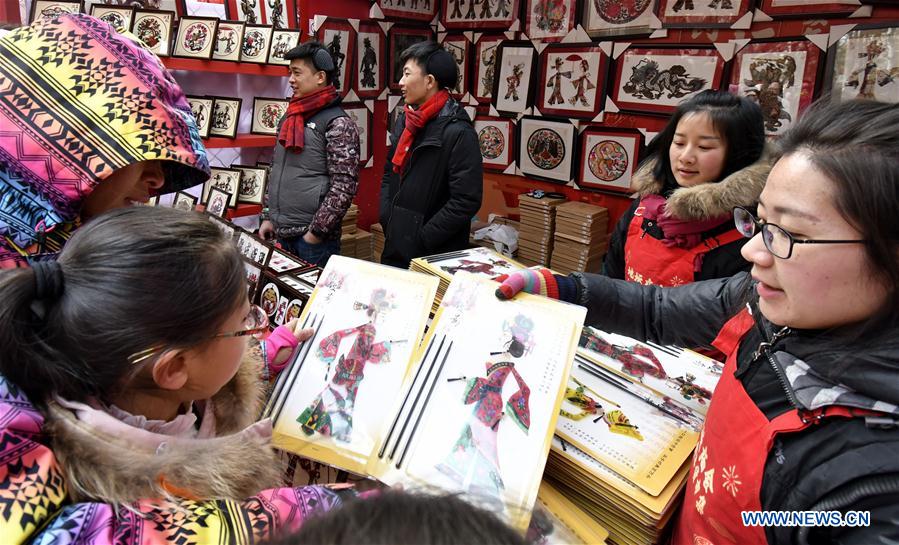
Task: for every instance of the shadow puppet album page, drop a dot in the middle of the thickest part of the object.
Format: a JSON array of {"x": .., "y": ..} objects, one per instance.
[
  {"x": 330, "y": 402},
  {"x": 481, "y": 408}
]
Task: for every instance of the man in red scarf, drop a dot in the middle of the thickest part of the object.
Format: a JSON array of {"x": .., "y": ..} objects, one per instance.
[
  {"x": 315, "y": 164},
  {"x": 433, "y": 180}
]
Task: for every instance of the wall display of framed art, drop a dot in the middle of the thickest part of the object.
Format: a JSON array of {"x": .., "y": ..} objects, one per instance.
[
  {"x": 805, "y": 9},
  {"x": 398, "y": 39},
  {"x": 548, "y": 20},
  {"x": 362, "y": 117},
  {"x": 780, "y": 75},
  {"x": 252, "y": 184},
  {"x": 282, "y": 262},
  {"x": 184, "y": 201},
  {"x": 53, "y": 8},
  {"x": 226, "y": 227},
  {"x": 484, "y": 74},
  {"x": 119, "y": 17},
  {"x": 655, "y": 79},
  {"x": 282, "y": 42},
  {"x": 608, "y": 158},
  {"x": 293, "y": 280},
  {"x": 249, "y": 11},
  {"x": 339, "y": 37},
  {"x": 253, "y": 248},
  {"x": 281, "y": 14},
  {"x": 154, "y": 29},
  {"x": 254, "y": 273},
  {"x": 702, "y": 14},
  {"x": 195, "y": 38},
  {"x": 217, "y": 9},
  {"x": 201, "y": 107},
  {"x": 279, "y": 300},
  {"x": 225, "y": 115},
  {"x": 256, "y": 40},
  {"x": 225, "y": 179},
  {"x": 478, "y": 14},
  {"x": 546, "y": 148},
  {"x": 217, "y": 202},
  {"x": 228, "y": 41},
  {"x": 496, "y": 137},
  {"x": 865, "y": 64},
  {"x": 415, "y": 10},
  {"x": 571, "y": 80},
  {"x": 513, "y": 87},
  {"x": 614, "y": 18},
  {"x": 459, "y": 47},
  {"x": 370, "y": 71},
  {"x": 266, "y": 114}
]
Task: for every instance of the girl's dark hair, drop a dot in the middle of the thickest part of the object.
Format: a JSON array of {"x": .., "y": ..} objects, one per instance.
[
  {"x": 738, "y": 121},
  {"x": 856, "y": 145},
  {"x": 404, "y": 518},
  {"x": 133, "y": 278}
]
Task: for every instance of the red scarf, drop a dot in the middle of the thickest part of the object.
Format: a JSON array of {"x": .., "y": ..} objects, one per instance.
[
  {"x": 291, "y": 135},
  {"x": 678, "y": 232},
  {"x": 415, "y": 120}
]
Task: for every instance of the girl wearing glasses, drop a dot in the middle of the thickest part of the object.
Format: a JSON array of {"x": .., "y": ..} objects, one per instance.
[
  {"x": 127, "y": 387},
  {"x": 805, "y": 415},
  {"x": 706, "y": 160}
]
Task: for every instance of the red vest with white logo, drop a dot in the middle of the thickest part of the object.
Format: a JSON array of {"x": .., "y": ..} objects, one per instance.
[
  {"x": 647, "y": 260},
  {"x": 729, "y": 460}
]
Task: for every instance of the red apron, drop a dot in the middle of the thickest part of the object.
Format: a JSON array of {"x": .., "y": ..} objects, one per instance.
[
  {"x": 729, "y": 460},
  {"x": 648, "y": 261}
]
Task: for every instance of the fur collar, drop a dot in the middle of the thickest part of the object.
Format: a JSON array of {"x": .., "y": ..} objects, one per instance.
[
  {"x": 707, "y": 201},
  {"x": 236, "y": 464}
]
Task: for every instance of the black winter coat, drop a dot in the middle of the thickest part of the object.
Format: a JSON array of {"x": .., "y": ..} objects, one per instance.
[
  {"x": 839, "y": 464},
  {"x": 428, "y": 210}
]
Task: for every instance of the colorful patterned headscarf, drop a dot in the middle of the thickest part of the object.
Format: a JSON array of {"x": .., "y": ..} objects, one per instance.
[{"x": 79, "y": 101}]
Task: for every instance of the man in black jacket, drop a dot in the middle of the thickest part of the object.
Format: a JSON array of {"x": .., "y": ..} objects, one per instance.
[{"x": 433, "y": 180}]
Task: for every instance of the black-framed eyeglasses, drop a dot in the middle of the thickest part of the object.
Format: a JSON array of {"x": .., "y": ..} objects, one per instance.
[
  {"x": 777, "y": 240},
  {"x": 255, "y": 324}
]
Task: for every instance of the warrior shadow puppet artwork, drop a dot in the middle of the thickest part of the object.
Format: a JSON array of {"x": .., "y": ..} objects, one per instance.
[{"x": 331, "y": 413}]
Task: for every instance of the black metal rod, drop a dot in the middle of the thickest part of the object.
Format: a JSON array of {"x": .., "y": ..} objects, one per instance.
[
  {"x": 405, "y": 399},
  {"x": 671, "y": 350},
  {"x": 427, "y": 399},
  {"x": 622, "y": 387},
  {"x": 417, "y": 397}
]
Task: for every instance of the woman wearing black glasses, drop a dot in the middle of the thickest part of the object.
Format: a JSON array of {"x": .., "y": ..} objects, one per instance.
[{"x": 805, "y": 415}]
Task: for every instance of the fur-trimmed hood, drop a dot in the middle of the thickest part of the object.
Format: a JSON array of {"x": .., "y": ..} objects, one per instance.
[
  {"x": 707, "y": 201},
  {"x": 239, "y": 462}
]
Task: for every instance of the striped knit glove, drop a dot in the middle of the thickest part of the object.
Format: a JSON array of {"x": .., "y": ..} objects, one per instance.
[{"x": 537, "y": 281}]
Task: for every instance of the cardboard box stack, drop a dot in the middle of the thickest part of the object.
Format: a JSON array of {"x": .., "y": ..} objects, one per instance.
[
  {"x": 581, "y": 237},
  {"x": 377, "y": 242},
  {"x": 535, "y": 237},
  {"x": 363, "y": 245}
]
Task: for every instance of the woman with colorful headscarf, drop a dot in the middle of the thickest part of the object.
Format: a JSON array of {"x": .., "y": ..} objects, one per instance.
[{"x": 89, "y": 121}]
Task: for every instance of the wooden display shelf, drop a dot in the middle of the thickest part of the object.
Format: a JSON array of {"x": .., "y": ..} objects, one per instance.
[
  {"x": 227, "y": 67},
  {"x": 240, "y": 211},
  {"x": 242, "y": 141}
]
